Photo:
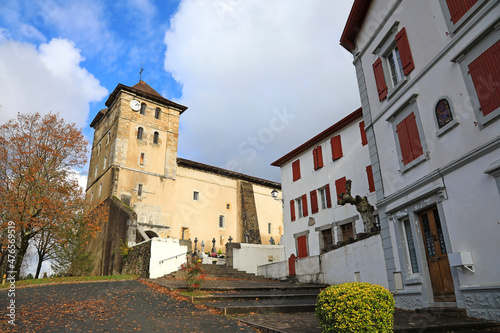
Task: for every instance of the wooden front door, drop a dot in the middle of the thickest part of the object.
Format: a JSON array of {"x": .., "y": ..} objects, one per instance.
[{"x": 437, "y": 256}]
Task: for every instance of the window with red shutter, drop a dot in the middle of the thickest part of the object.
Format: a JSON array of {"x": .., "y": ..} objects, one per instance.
[
  {"x": 302, "y": 246},
  {"x": 314, "y": 201},
  {"x": 364, "y": 140},
  {"x": 340, "y": 186},
  {"x": 304, "y": 205},
  {"x": 317, "y": 158},
  {"x": 404, "y": 52},
  {"x": 409, "y": 139},
  {"x": 336, "y": 144},
  {"x": 369, "y": 175},
  {"x": 485, "y": 74},
  {"x": 458, "y": 8},
  {"x": 380, "y": 79},
  {"x": 292, "y": 209},
  {"x": 328, "y": 196},
  {"x": 296, "y": 170}
]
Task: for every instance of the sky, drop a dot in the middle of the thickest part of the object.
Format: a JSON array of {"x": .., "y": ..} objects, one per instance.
[{"x": 259, "y": 77}]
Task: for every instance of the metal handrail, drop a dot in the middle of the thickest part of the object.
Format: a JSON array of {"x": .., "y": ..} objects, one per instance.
[{"x": 182, "y": 254}]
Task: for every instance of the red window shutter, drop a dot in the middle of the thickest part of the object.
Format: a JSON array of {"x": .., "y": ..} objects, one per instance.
[
  {"x": 328, "y": 196},
  {"x": 314, "y": 201},
  {"x": 485, "y": 74},
  {"x": 296, "y": 170},
  {"x": 315, "y": 158},
  {"x": 364, "y": 140},
  {"x": 404, "y": 51},
  {"x": 378, "y": 70},
  {"x": 340, "y": 186},
  {"x": 404, "y": 142},
  {"x": 304, "y": 205},
  {"x": 292, "y": 209},
  {"x": 336, "y": 144},
  {"x": 302, "y": 246},
  {"x": 458, "y": 8},
  {"x": 415, "y": 143},
  {"x": 369, "y": 175},
  {"x": 319, "y": 156}
]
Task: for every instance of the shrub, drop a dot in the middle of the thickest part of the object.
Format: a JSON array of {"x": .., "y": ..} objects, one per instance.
[
  {"x": 355, "y": 307},
  {"x": 193, "y": 274}
]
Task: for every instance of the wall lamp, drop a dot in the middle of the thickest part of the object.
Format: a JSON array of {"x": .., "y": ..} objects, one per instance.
[{"x": 274, "y": 194}]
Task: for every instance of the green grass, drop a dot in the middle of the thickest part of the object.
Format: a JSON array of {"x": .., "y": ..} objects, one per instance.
[
  {"x": 193, "y": 293},
  {"x": 71, "y": 279}
]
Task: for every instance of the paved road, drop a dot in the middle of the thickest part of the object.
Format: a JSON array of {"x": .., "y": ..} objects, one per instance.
[{"x": 119, "y": 306}]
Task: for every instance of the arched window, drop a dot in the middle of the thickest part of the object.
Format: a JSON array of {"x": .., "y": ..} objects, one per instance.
[
  {"x": 443, "y": 113},
  {"x": 143, "y": 108},
  {"x": 140, "y": 131},
  {"x": 157, "y": 113},
  {"x": 155, "y": 138}
]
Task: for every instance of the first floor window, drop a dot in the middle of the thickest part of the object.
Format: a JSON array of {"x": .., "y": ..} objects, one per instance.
[
  {"x": 322, "y": 193},
  {"x": 139, "y": 190},
  {"x": 196, "y": 195},
  {"x": 409, "y": 139},
  {"x": 155, "y": 137},
  {"x": 347, "y": 231},
  {"x": 221, "y": 221},
  {"x": 157, "y": 113},
  {"x": 395, "y": 66},
  {"x": 410, "y": 247},
  {"x": 269, "y": 228},
  {"x": 140, "y": 132},
  {"x": 327, "y": 236}
]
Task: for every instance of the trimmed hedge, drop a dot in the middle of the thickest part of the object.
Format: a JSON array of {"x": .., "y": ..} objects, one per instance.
[{"x": 355, "y": 307}]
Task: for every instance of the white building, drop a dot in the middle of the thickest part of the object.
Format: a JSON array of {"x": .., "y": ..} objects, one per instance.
[
  {"x": 429, "y": 80},
  {"x": 312, "y": 176}
]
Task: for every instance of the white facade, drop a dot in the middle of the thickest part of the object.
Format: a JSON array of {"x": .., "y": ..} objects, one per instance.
[
  {"x": 351, "y": 165},
  {"x": 440, "y": 202}
]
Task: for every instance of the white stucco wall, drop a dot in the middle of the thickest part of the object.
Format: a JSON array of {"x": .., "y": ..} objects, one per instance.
[
  {"x": 250, "y": 256},
  {"x": 365, "y": 256},
  {"x": 163, "y": 248},
  {"x": 275, "y": 270}
]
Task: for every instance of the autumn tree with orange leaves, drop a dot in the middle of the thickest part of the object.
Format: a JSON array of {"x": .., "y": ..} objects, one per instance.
[{"x": 38, "y": 188}]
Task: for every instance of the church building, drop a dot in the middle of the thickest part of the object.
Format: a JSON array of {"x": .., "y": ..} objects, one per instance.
[{"x": 134, "y": 162}]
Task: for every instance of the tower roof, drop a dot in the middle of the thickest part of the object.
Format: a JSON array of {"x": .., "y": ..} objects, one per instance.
[{"x": 144, "y": 90}]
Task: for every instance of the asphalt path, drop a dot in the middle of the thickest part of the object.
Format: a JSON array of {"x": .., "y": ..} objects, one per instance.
[{"x": 117, "y": 306}]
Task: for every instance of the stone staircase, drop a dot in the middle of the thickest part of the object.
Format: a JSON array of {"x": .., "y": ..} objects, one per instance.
[{"x": 221, "y": 272}]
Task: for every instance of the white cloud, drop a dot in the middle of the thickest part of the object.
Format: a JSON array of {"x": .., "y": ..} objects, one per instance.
[
  {"x": 46, "y": 79},
  {"x": 245, "y": 65}
]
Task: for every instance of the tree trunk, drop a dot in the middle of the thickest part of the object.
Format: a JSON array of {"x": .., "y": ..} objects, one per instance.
[
  {"x": 21, "y": 251},
  {"x": 39, "y": 266}
]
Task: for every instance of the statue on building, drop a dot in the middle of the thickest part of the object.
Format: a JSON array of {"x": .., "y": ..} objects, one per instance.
[{"x": 364, "y": 208}]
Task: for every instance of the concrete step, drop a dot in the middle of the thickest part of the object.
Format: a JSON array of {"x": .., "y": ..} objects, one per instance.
[
  {"x": 254, "y": 296},
  {"x": 265, "y": 306},
  {"x": 444, "y": 312}
]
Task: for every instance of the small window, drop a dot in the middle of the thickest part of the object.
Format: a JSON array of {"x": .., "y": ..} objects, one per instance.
[
  {"x": 336, "y": 144},
  {"x": 269, "y": 228},
  {"x": 347, "y": 231},
  {"x": 143, "y": 108},
  {"x": 221, "y": 221},
  {"x": 96, "y": 170},
  {"x": 409, "y": 139},
  {"x": 327, "y": 237},
  {"x": 108, "y": 138},
  {"x": 299, "y": 206},
  {"x": 443, "y": 113},
  {"x": 100, "y": 189},
  {"x": 364, "y": 140},
  {"x": 141, "y": 159},
  {"x": 91, "y": 196},
  {"x": 196, "y": 195},
  {"x": 395, "y": 66},
  {"x": 292, "y": 210},
  {"x": 157, "y": 113},
  {"x": 317, "y": 158},
  {"x": 139, "y": 190},
  {"x": 98, "y": 149},
  {"x": 184, "y": 233},
  {"x": 140, "y": 132},
  {"x": 322, "y": 193},
  {"x": 410, "y": 247},
  {"x": 228, "y": 206},
  {"x": 369, "y": 176},
  {"x": 296, "y": 170},
  {"x": 155, "y": 137},
  {"x": 105, "y": 162}
]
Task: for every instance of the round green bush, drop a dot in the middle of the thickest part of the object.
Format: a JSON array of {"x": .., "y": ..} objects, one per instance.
[{"x": 355, "y": 307}]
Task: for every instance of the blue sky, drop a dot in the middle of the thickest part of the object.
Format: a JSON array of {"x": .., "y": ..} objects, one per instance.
[{"x": 259, "y": 77}]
